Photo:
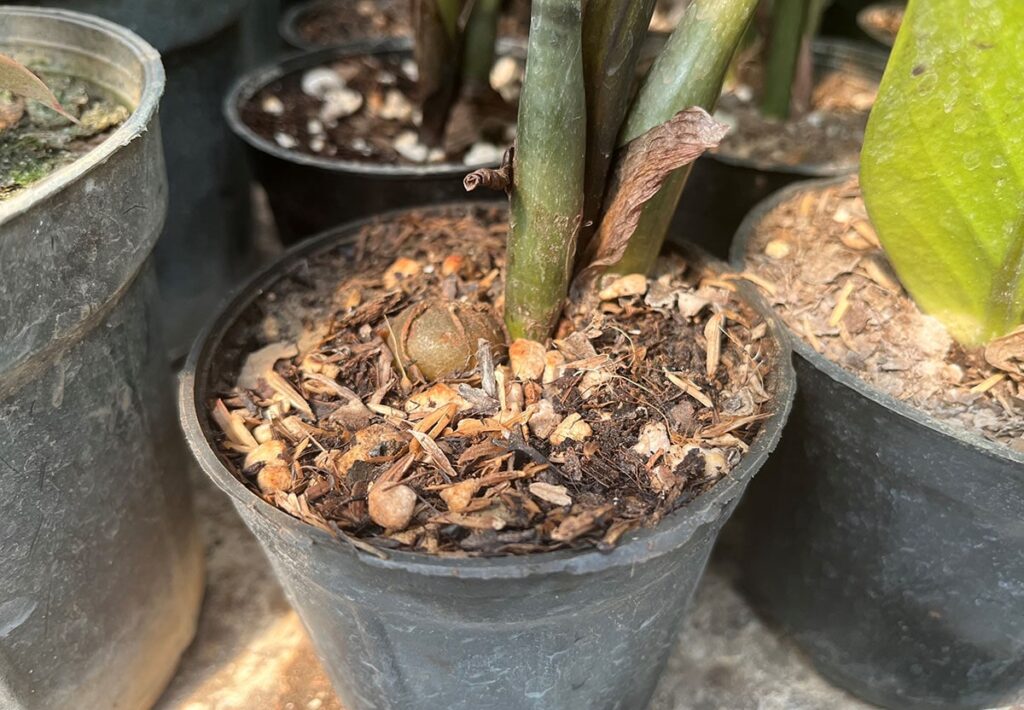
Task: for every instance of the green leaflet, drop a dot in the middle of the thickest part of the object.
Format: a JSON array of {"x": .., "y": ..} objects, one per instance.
[{"x": 942, "y": 168}]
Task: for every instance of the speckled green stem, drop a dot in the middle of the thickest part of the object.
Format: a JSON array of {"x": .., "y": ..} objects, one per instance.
[
  {"x": 613, "y": 34},
  {"x": 547, "y": 194},
  {"x": 789, "y": 20},
  {"x": 688, "y": 72},
  {"x": 478, "y": 48}
]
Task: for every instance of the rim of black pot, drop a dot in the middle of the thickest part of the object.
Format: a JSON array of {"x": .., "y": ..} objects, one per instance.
[
  {"x": 871, "y": 31},
  {"x": 152, "y": 83},
  {"x": 737, "y": 257},
  {"x": 825, "y": 50},
  {"x": 636, "y": 547},
  {"x": 288, "y": 25},
  {"x": 253, "y": 81}
]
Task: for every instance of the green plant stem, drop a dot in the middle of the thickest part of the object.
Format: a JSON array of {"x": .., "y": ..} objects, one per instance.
[
  {"x": 613, "y": 35},
  {"x": 548, "y": 167},
  {"x": 438, "y": 53},
  {"x": 789, "y": 19},
  {"x": 480, "y": 37},
  {"x": 689, "y": 72}
]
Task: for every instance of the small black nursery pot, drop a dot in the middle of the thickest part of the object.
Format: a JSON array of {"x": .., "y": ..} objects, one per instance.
[
  {"x": 308, "y": 193},
  {"x": 887, "y": 544},
  {"x": 401, "y": 630}
]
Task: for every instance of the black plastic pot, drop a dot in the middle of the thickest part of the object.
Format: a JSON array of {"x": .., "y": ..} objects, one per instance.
[
  {"x": 101, "y": 568},
  {"x": 203, "y": 249},
  {"x": 406, "y": 631},
  {"x": 722, "y": 189},
  {"x": 888, "y": 545},
  {"x": 308, "y": 193},
  {"x": 292, "y": 18}
]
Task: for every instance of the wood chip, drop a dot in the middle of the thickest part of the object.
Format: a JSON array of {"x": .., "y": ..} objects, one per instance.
[
  {"x": 623, "y": 286},
  {"x": 842, "y": 304},
  {"x": 290, "y": 395},
  {"x": 713, "y": 335},
  {"x": 988, "y": 383},
  {"x": 556, "y": 495},
  {"x": 435, "y": 454},
  {"x": 233, "y": 427},
  {"x": 263, "y": 360},
  {"x": 689, "y": 388},
  {"x": 572, "y": 427}
]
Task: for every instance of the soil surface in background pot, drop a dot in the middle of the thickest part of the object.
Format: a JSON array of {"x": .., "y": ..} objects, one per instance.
[
  {"x": 831, "y": 282},
  {"x": 35, "y": 140},
  {"x": 639, "y": 404},
  {"x": 364, "y": 109},
  {"x": 828, "y": 135},
  {"x": 882, "y": 22},
  {"x": 332, "y": 23}
]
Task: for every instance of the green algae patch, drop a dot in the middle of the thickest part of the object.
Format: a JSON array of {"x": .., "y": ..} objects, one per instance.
[{"x": 35, "y": 140}]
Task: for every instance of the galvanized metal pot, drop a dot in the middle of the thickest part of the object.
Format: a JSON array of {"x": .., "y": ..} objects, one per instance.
[
  {"x": 888, "y": 545},
  {"x": 101, "y": 564},
  {"x": 406, "y": 631},
  {"x": 204, "y": 248},
  {"x": 309, "y": 193},
  {"x": 722, "y": 189}
]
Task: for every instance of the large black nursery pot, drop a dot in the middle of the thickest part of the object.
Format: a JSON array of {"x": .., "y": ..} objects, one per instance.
[
  {"x": 722, "y": 189},
  {"x": 204, "y": 247},
  {"x": 406, "y": 631},
  {"x": 887, "y": 544},
  {"x": 309, "y": 194},
  {"x": 100, "y": 563}
]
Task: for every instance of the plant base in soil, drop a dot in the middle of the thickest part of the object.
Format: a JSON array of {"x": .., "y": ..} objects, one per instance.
[{"x": 647, "y": 396}]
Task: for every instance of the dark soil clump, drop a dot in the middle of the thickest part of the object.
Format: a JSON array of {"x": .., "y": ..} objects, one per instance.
[
  {"x": 832, "y": 284},
  {"x": 643, "y": 400}
]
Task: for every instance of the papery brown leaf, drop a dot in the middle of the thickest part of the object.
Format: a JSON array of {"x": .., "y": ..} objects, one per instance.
[
  {"x": 499, "y": 178},
  {"x": 1007, "y": 352},
  {"x": 641, "y": 167},
  {"x": 19, "y": 80}
]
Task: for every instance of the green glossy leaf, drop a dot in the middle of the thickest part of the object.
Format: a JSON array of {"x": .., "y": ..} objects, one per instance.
[{"x": 942, "y": 168}]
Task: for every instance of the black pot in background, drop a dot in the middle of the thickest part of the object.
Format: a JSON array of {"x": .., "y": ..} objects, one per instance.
[
  {"x": 309, "y": 194},
  {"x": 887, "y": 544},
  {"x": 288, "y": 26},
  {"x": 722, "y": 189},
  {"x": 408, "y": 631}
]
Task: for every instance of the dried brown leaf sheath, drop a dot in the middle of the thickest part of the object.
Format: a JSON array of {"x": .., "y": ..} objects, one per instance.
[{"x": 642, "y": 166}]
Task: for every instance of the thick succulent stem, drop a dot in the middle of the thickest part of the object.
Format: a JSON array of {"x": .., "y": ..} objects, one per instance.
[
  {"x": 480, "y": 37},
  {"x": 438, "y": 53},
  {"x": 688, "y": 72},
  {"x": 789, "y": 20},
  {"x": 613, "y": 34},
  {"x": 547, "y": 175}
]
